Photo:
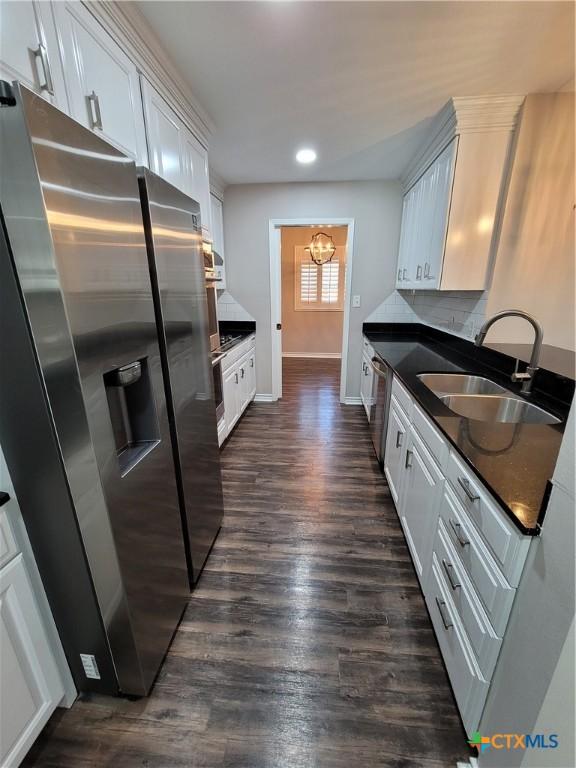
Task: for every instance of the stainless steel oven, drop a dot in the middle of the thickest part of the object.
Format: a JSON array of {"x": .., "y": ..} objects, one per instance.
[
  {"x": 211, "y": 295},
  {"x": 218, "y": 385},
  {"x": 380, "y": 405}
]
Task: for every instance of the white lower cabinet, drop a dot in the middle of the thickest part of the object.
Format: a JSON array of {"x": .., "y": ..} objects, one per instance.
[
  {"x": 396, "y": 438},
  {"x": 420, "y": 502},
  {"x": 239, "y": 384},
  {"x": 367, "y": 378},
  {"x": 468, "y": 556},
  {"x": 30, "y": 684}
]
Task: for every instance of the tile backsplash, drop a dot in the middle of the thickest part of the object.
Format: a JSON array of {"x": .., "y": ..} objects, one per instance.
[
  {"x": 230, "y": 309},
  {"x": 458, "y": 312}
]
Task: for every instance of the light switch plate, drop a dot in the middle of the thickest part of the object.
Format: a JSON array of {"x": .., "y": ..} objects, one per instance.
[{"x": 355, "y": 301}]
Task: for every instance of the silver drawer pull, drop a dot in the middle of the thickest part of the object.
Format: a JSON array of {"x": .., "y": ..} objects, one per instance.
[
  {"x": 94, "y": 110},
  {"x": 419, "y": 272},
  {"x": 441, "y": 604},
  {"x": 42, "y": 54},
  {"x": 242, "y": 373},
  {"x": 251, "y": 362},
  {"x": 399, "y": 275},
  {"x": 399, "y": 436},
  {"x": 408, "y": 461},
  {"x": 448, "y": 567},
  {"x": 404, "y": 274},
  {"x": 465, "y": 485},
  {"x": 236, "y": 377},
  {"x": 456, "y": 527}
]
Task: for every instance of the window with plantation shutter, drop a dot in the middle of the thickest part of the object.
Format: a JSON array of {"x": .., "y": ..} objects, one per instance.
[{"x": 317, "y": 286}]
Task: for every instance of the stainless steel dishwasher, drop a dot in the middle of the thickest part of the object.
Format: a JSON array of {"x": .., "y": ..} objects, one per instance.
[{"x": 380, "y": 404}]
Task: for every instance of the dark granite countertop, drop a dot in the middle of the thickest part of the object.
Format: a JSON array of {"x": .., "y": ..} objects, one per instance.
[
  {"x": 236, "y": 331},
  {"x": 514, "y": 461}
]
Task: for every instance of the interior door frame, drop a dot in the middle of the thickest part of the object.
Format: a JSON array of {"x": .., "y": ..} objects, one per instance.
[{"x": 275, "y": 242}]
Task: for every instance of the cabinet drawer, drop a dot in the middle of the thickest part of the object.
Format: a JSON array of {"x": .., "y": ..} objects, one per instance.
[
  {"x": 484, "y": 641},
  {"x": 506, "y": 543},
  {"x": 470, "y": 688},
  {"x": 402, "y": 396},
  {"x": 8, "y": 546},
  {"x": 435, "y": 443},
  {"x": 237, "y": 352},
  {"x": 494, "y": 591}
]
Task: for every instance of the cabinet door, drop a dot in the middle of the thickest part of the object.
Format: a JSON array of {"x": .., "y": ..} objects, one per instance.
[
  {"x": 231, "y": 398},
  {"x": 103, "y": 82},
  {"x": 244, "y": 382},
  {"x": 403, "y": 247},
  {"x": 217, "y": 220},
  {"x": 443, "y": 173},
  {"x": 29, "y": 49},
  {"x": 251, "y": 367},
  {"x": 396, "y": 438},
  {"x": 30, "y": 686},
  {"x": 163, "y": 129},
  {"x": 420, "y": 502},
  {"x": 196, "y": 177},
  {"x": 366, "y": 384}
]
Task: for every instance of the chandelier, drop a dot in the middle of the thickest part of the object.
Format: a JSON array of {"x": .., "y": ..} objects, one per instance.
[{"x": 321, "y": 248}]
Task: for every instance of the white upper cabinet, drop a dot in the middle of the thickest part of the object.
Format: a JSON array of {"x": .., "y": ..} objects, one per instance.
[
  {"x": 217, "y": 221},
  {"x": 102, "y": 81},
  {"x": 175, "y": 153},
  {"x": 29, "y": 49},
  {"x": 454, "y": 189},
  {"x": 196, "y": 177}
]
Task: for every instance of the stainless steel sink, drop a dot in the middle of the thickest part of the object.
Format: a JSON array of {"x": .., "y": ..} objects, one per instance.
[
  {"x": 460, "y": 383},
  {"x": 498, "y": 408},
  {"x": 483, "y": 400}
]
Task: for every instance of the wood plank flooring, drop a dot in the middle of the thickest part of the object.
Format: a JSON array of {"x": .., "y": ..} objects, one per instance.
[{"x": 306, "y": 643}]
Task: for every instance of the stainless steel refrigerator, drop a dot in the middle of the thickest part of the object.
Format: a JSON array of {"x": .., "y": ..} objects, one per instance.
[
  {"x": 174, "y": 241},
  {"x": 84, "y": 422}
]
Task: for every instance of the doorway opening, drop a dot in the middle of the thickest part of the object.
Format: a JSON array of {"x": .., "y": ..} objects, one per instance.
[{"x": 310, "y": 297}]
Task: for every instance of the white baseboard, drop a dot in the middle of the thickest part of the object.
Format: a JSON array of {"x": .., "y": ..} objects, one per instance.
[
  {"x": 352, "y": 401},
  {"x": 264, "y": 398},
  {"x": 330, "y": 355}
]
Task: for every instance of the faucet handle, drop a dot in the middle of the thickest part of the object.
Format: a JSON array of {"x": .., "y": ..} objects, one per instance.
[{"x": 517, "y": 376}]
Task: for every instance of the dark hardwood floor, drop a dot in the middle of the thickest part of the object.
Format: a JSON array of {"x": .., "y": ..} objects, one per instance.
[{"x": 306, "y": 643}]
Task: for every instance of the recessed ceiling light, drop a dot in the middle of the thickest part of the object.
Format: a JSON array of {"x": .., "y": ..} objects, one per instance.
[{"x": 305, "y": 156}]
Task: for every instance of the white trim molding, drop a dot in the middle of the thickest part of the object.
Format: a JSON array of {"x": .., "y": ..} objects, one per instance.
[
  {"x": 352, "y": 401},
  {"x": 264, "y": 398},
  {"x": 274, "y": 231},
  {"x": 460, "y": 115},
  {"x": 318, "y": 355}
]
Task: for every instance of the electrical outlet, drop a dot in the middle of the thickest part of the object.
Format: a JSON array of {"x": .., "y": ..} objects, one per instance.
[{"x": 355, "y": 301}]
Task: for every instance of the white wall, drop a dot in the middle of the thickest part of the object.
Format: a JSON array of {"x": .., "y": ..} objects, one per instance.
[{"x": 375, "y": 207}]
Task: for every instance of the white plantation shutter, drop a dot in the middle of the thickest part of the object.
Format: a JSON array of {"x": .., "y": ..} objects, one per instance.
[
  {"x": 330, "y": 282},
  {"x": 308, "y": 283},
  {"x": 317, "y": 286}
]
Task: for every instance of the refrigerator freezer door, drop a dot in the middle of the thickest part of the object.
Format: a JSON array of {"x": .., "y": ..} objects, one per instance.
[
  {"x": 176, "y": 264},
  {"x": 73, "y": 216}
]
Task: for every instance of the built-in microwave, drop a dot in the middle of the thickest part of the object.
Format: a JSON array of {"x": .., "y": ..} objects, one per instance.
[{"x": 211, "y": 295}]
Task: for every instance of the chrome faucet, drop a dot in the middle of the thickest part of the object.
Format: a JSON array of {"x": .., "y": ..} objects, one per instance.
[{"x": 528, "y": 376}]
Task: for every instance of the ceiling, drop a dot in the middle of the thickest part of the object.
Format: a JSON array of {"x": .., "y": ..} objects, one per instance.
[{"x": 358, "y": 81}]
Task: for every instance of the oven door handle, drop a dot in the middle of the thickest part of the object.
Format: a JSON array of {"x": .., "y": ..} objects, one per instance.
[
  {"x": 216, "y": 360},
  {"x": 377, "y": 369}
]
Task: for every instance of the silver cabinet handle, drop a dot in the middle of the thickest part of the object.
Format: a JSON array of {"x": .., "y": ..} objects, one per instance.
[
  {"x": 399, "y": 275},
  {"x": 456, "y": 527},
  {"x": 251, "y": 362},
  {"x": 465, "y": 485},
  {"x": 419, "y": 272},
  {"x": 366, "y": 371},
  {"x": 363, "y": 367},
  {"x": 399, "y": 436},
  {"x": 94, "y": 111},
  {"x": 236, "y": 377},
  {"x": 449, "y": 568},
  {"x": 42, "y": 54},
  {"x": 241, "y": 373},
  {"x": 408, "y": 460},
  {"x": 426, "y": 270},
  {"x": 441, "y": 604},
  {"x": 403, "y": 274}
]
